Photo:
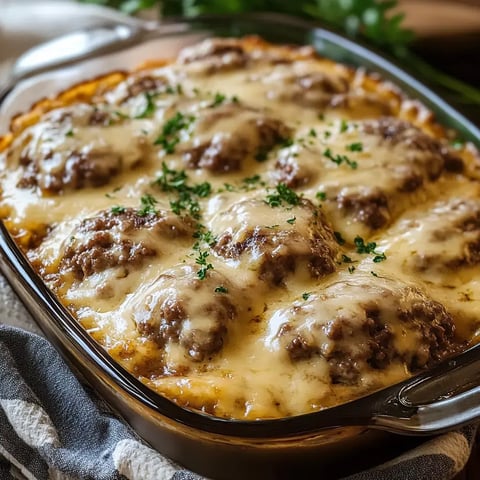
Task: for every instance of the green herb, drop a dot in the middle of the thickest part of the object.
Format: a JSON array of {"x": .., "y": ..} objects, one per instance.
[
  {"x": 351, "y": 268},
  {"x": 69, "y": 133},
  {"x": 283, "y": 195},
  {"x": 306, "y": 295},
  {"x": 149, "y": 109},
  {"x": 255, "y": 179},
  {"x": 374, "y": 274},
  {"x": 203, "y": 236},
  {"x": 286, "y": 142},
  {"x": 339, "y": 159},
  {"x": 175, "y": 181},
  {"x": 322, "y": 196},
  {"x": 355, "y": 147},
  {"x": 321, "y": 116},
  {"x": 204, "y": 266},
  {"x": 272, "y": 227},
  {"x": 338, "y": 237},
  {"x": 117, "y": 210},
  {"x": 291, "y": 221},
  {"x": 148, "y": 203},
  {"x": 169, "y": 137},
  {"x": 346, "y": 259},
  {"x": 327, "y": 133},
  {"x": 369, "y": 248},
  {"x": 343, "y": 126},
  {"x": 312, "y": 132},
  {"x": 221, "y": 289},
  {"x": 218, "y": 99}
]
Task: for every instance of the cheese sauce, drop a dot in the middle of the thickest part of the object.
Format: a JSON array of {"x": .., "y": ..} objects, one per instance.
[{"x": 251, "y": 230}]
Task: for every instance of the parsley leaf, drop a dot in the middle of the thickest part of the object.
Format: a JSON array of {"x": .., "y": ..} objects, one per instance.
[
  {"x": 117, "y": 210},
  {"x": 369, "y": 248},
  {"x": 306, "y": 295},
  {"x": 149, "y": 109},
  {"x": 355, "y": 147},
  {"x": 339, "y": 159},
  {"x": 169, "y": 138},
  {"x": 148, "y": 203},
  {"x": 283, "y": 195},
  {"x": 221, "y": 289},
  {"x": 291, "y": 221}
]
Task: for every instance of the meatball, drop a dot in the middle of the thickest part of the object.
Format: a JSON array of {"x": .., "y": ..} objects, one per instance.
[
  {"x": 368, "y": 205},
  {"x": 228, "y": 134},
  {"x": 64, "y": 150},
  {"x": 124, "y": 239},
  {"x": 359, "y": 326},
  {"x": 448, "y": 237},
  {"x": 307, "y": 88},
  {"x": 430, "y": 157},
  {"x": 214, "y": 55},
  {"x": 276, "y": 242},
  {"x": 180, "y": 308}
]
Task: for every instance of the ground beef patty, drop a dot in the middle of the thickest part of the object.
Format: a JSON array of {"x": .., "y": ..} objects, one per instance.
[
  {"x": 428, "y": 157},
  {"x": 181, "y": 309},
  {"x": 360, "y": 326},
  {"x": 76, "y": 147},
  {"x": 119, "y": 239},
  {"x": 227, "y": 134},
  {"x": 276, "y": 241}
]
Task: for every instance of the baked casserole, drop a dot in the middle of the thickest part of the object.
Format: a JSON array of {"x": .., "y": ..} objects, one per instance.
[{"x": 251, "y": 230}]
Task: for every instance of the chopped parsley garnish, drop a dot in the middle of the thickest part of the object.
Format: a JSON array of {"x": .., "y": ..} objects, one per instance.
[
  {"x": 291, "y": 221},
  {"x": 252, "y": 180},
  {"x": 205, "y": 236},
  {"x": 175, "y": 181},
  {"x": 339, "y": 159},
  {"x": 355, "y": 147},
  {"x": 117, "y": 210},
  {"x": 221, "y": 289},
  {"x": 218, "y": 99},
  {"x": 204, "y": 266},
  {"x": 369, "y": 248},
  {"x": 271, "y": 227},
  {"x": 261, "y": 155},
  {"x": 327, "y": 133},
  {"x": 346, "y": 259},
  {"x": 343, "y": 126},
  {"x": 322, "y": 196},
  {"x": 373, "y": 273},
  {"x": 312, "y": 132},
  {"x": 69, "y": 133},
  {"x": 148, "y": 203},
  {"x": 351, "y": 268},
  {"x": 169, "y": 138},
  {"x": 338, "y": 237},
  {"x": 321, "y": 116},
  {"x": 283, "y": 195},
  {"x": 306, "y": 295},
  {"x": 149, "y": 109},
  {"x": 286, "y": 142}
]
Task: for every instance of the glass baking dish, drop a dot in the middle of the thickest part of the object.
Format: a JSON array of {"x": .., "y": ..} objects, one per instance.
[{"x": 443, "y": 398}]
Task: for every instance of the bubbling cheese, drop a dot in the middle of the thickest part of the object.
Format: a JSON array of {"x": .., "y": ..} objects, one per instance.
[{"x": 251, "y": 230}]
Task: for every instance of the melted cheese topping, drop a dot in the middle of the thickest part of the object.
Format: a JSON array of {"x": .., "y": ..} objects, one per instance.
[{"x": 250, "y": 230}]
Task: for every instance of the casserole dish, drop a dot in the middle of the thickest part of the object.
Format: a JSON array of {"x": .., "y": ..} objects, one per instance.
[{"x": 209, "y": 444}]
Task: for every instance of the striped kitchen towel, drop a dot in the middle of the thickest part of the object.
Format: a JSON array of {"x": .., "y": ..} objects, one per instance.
[{"x": 53, "y": 427}]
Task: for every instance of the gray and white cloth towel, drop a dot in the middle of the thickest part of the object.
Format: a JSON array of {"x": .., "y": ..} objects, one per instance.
[{"x": 53, "y": 427}]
